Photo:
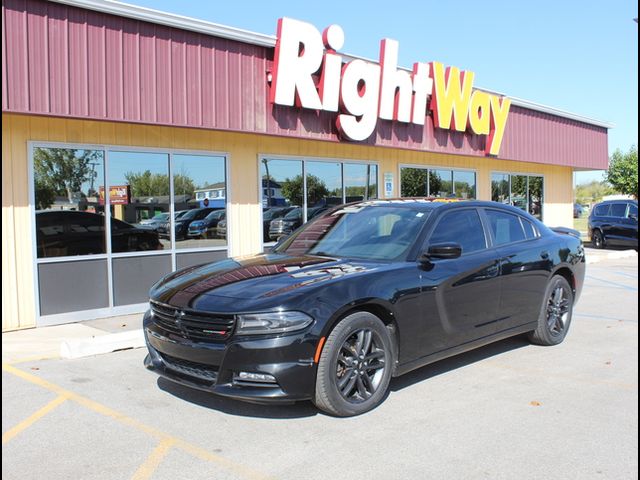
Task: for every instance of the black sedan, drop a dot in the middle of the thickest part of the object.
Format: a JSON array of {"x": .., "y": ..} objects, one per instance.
[{"x": 362, "y": 293}]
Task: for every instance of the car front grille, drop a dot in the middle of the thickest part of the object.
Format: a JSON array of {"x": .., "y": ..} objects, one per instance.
[
  {"x": 208, "y": 373},
  {"x": 193, "y": 325}
]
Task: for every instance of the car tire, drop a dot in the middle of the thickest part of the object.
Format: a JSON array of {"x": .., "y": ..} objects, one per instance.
[
  {"x": 597, "y": 239},
  {"x": 556, "y": 313},
  {"x": 355, "y": 366}
]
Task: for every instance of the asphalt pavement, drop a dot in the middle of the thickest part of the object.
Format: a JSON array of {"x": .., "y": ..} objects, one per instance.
[{"x": 508, "y": 410}]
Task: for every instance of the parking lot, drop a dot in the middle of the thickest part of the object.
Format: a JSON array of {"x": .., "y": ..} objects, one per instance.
[{"x": 509, "y": 410}]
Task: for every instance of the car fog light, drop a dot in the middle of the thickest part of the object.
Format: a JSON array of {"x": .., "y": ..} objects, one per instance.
[{"x": 255, "y": 377}]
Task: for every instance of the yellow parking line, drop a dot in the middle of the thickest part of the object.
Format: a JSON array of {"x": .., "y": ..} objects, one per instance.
[
  {"x": 164, "y": 437},
  {"x": 153, "y": 460},
  {"x": 34, "y": 359},
  {"x": 56, "y": 402}
]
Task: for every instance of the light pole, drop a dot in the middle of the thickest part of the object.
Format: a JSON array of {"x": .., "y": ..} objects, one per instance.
[{"x": 266, "y": 167}]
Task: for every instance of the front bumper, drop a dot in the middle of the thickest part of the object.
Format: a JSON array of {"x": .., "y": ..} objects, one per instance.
[{"x": 213, "y": 367}]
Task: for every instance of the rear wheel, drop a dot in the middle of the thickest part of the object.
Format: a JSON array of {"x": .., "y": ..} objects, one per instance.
[
  {"x": 597, "y": 239},
  {"x": 555, "y": 315},
  {"x": 355, "y": 366}
]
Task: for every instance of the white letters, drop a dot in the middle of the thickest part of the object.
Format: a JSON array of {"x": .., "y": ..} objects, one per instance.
[
  {"x": 298, "y": 56},
  {"x": 358, "y": 95},
  {"x": 361, "y": 91},
  {"x": 396, "y": 87}
]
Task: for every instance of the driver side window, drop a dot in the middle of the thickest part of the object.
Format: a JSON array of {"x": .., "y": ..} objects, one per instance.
[{"x": 462, "y": 227}]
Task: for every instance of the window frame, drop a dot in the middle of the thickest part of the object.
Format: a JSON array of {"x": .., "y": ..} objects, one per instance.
[
  {"x": 485, "y": 231},
  {"x": 525, "y": 174},
  {"x": 304, "y": 160},
  {"x": 437, "y": 167},
  {"x": 520, "y": 218},
  {"x": 109, "y": 256}
]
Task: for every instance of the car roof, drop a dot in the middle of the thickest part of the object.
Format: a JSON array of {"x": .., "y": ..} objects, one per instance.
[{"x": 620, "y": 200}]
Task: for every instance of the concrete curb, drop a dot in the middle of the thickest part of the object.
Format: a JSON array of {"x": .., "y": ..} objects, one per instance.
[
  {"x": 610, "y": 255},
  {"x": 78, "y": 348}
]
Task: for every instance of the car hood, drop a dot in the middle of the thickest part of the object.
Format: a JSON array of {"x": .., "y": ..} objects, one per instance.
[{"x": 260, "y": 277}]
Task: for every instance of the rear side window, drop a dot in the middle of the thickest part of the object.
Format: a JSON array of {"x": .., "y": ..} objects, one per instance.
[
  {"x": 633, "y": 211},
  {"x": 506, "y": 228},
  {"x": 529, "y": 229},
  {"x": 602, "y": 210},
  {"x": 618, "y": 210},
  {"x": 463, "y": 227}
]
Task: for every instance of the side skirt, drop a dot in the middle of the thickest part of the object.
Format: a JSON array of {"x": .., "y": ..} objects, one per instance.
[{"x": 465, "y": 347}]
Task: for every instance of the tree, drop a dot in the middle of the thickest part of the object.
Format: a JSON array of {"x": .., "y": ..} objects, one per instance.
[
  {"x": 147, "y": 184},
  {"x": 62, "y": 171},
  {"x": 292, "y": 190},
  {"x": 592, "y": 192},
  {"x": 413, "y": 182},
  {"x": 623, "y": 171}
]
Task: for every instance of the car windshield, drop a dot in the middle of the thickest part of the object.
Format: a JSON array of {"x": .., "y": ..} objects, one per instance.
[
  {"x": 190, "y": 214},
  {"x": 161, "y": 217},
  {"x": 273, "y": 213},
  {"x": 294, "y": 214},
  {"x": 373, "y": 232},
  {"x": 216, "y": 214}
]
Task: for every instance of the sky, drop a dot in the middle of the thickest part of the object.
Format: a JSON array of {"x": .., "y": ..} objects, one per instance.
[{"x": 578, "y": 56}]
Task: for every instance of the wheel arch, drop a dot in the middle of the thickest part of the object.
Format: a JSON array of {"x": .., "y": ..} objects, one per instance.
[
  {"x": 568, "y": 275},
  {"x": 376, "y": 307}
]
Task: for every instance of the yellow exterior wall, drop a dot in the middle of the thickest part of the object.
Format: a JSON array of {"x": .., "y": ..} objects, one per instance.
[{"x": 18, "y": 296}]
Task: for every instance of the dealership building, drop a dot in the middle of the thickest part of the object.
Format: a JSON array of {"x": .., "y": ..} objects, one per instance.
[{"x": 114, "y": 114}]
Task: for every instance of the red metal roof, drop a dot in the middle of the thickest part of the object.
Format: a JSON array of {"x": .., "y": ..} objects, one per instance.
[{"x": 66, "y": 61}]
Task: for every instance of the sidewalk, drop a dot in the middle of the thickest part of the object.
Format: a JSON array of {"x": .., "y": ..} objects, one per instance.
[
  {"x": 73, "y": 340},
  {"x": 106, "y": 335}
]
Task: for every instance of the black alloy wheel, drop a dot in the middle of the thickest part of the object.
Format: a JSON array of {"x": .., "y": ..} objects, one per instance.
[
  {"x": 556, "y": 313},
  {"x": 355, "y": 366},
  {"x": 597, "y": 239}
]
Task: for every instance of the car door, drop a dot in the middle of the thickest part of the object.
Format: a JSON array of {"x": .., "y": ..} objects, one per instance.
[
  {"x": 616, "y": 230},
  {"x": 525, "y": 266},
  {"x": 629, "y": 227},
  {"x": 460, "y": 296}
]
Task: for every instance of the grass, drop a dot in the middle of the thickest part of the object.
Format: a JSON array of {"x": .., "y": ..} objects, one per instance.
[{"x": 580, "y": 224}]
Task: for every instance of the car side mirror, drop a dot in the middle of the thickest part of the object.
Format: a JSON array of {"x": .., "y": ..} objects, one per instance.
[{"x": 441, "y": 251}]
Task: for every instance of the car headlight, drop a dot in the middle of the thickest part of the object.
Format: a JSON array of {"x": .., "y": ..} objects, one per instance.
[{"x": 272, "y": 322}]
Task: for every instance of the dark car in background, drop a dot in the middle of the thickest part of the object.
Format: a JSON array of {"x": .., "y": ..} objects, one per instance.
[
  {"x": 155, "y": 222},
  {"x": 578, "y": 210},
  {"x": 272, "y": 214},
  {"x": 182, "y": 221},
  {"x": 360, "y": 294},
  {"x": 61, "y": 233},
  {"x": 207, "y": 227},
  {"x": 614, "y": 223},
  {"x": 281, "y": 227}
]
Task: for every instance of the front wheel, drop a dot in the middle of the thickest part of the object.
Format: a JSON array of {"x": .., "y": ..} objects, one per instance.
[
  {"x": 355, "y": 366},
  {"x": 597, "y": 239},
  {"x": 555, "y": 315}
]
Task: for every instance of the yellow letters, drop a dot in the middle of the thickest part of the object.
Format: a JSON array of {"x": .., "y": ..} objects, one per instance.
[
  {"x": 451, "y": 96},
  {"x": 499, "y": 114}
]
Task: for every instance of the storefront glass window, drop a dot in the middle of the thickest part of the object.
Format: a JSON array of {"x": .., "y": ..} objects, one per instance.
[
  {"x": 200, "y": 188},
  {"x": 283, "y": 181},
  {"x": 523, "y": 191},
  {"x": 70, "y": 217},
  {"x": 360, "y": 182},
  {"x": 413, "y": 182},
  {"x": 536, "y": 194},
  {"x": 138, "y": 191},
  {"x": 423, "y": 182},
  {"x": 500, "y": 187},
  {"x": 464, "y": 184},
  {"x": 441, "y": 183},
  {"x": 323, "y": 186}
]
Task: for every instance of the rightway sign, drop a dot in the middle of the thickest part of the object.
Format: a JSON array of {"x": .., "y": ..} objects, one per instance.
[{"x": 361, "y": 92}]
